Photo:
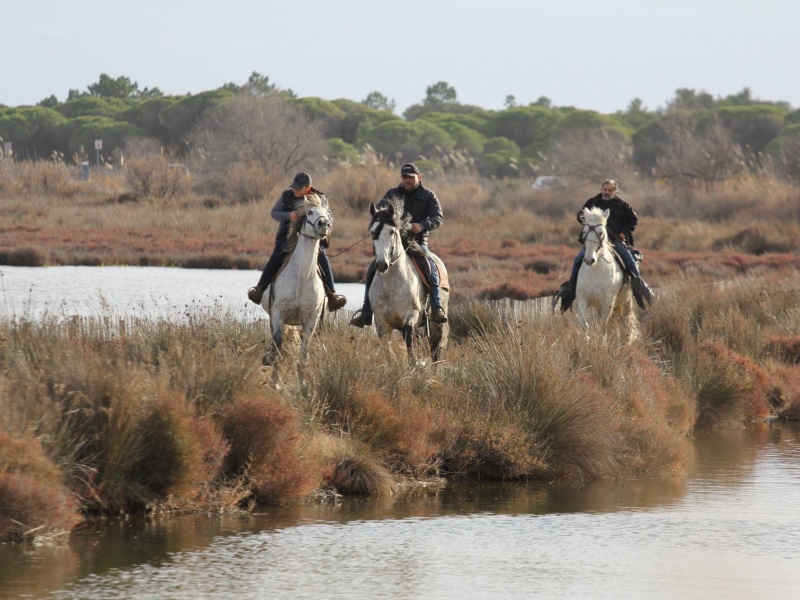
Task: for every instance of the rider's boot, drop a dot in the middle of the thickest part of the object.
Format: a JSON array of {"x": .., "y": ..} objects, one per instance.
[
  {"x": 437, "y": 312},
  {"x": 641, "y": 289},
  {"x": 438, "y": 315},
  {"x": 567, "y": 291},
  {"x": 335, "y": 301},
  {"x": 255, "y": 294},
  {"x": 363, "y": 316}
]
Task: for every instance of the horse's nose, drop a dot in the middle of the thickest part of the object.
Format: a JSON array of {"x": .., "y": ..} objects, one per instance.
[
  {"x": 589, "y": 260},
  {"x": 382, "y": 266}
]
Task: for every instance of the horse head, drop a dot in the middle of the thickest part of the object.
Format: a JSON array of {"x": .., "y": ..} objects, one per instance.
[
  {"x": 388, "y": 229},
  {"x": 594, "y": 234},
  {"x": 316, "y": 220}
]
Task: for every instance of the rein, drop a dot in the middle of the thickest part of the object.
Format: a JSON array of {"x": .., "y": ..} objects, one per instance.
[
  {"x": 349, "y": 247},
  {"x": 405, "y": 250}
]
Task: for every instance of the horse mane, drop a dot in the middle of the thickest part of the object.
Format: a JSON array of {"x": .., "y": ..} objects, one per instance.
[
  {"x": 312, "y": 200},
  {"x": 594, "y": 216},
  {"x": 400, "y": 220}
]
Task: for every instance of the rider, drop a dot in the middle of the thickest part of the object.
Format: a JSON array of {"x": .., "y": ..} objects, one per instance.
[
  {"x": 622, "y": 220},
  {"x": 426, "y": 214},
  {"x": 286, "y": 211}
]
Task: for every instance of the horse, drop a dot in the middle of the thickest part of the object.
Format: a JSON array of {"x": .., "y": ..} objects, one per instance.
[
  {"x": 297, "y": 295},
  {"x": 601, "y": 280},
  {"x": 398, "y": 295}
]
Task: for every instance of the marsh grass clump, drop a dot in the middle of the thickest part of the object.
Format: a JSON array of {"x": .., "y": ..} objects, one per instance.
[
  {"x": 35, "y": 504},
  {"x": 265, "y": 438}
]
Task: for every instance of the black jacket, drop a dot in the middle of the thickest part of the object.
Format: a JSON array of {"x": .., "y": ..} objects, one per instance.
[
  {"x": 423, "y": 206},
  {"x": 621, "y": 218},
  {"x": 282, "y": 212}
]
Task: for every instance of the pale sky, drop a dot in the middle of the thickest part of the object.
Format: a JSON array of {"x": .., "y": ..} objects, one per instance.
[{"x": 590, "y": 54}]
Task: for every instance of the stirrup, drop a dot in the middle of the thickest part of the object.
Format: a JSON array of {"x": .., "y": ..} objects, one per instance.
[{"x": 361, "y": 318}]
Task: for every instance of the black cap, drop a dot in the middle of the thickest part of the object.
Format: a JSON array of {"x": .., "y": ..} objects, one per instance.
[
  {"x": 301, "y": 180},
  {"x": 409, "y": 169}
]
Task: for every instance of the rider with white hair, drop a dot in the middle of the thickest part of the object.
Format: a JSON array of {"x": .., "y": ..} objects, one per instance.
[
  {"x": 286, "y": 211},
  {"x": 426, "y": 215},
  {"x": 622, "y": 221}
]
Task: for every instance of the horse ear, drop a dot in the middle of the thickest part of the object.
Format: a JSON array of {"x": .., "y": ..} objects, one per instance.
[
  {"x": 606, "y": 212},
  {"x": 372, "y": 208},
  {"x": 391, "y": 210}
]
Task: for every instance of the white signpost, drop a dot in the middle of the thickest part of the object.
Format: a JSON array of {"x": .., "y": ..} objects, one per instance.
[{"x": 98, "y": 145}]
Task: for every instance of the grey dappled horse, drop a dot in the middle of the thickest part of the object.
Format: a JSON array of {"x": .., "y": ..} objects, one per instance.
[
  {"x": 601, "y": 280},
  {"x": 398, "y": 295},
  {"x": 297, "y": 294}
]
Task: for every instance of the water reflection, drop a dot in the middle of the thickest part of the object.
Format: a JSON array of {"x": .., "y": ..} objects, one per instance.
[{"x": 726, "y": 530}]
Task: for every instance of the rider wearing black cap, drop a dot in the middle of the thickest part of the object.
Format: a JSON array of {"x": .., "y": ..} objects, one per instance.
[{"x": 426, "y": 215}]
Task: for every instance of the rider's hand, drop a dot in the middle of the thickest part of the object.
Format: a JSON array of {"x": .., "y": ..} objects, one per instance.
[
  {"x": 416, "y": 228},
  {"x": 622, "y": 237},
  {"x": 294, "y": 216}
]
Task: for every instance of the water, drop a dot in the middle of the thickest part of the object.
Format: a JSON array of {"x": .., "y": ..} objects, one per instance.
[
  {"x": 727, "y": 530},
  {"x": 133, "y": 291}
]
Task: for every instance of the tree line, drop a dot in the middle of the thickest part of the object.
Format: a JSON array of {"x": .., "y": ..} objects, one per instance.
[{"x": 258, "y": 126}]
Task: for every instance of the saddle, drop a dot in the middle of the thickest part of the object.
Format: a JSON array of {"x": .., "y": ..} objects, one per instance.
[
  {"x": 420, "y": 261},
  {"x": 423, "y": 267}
]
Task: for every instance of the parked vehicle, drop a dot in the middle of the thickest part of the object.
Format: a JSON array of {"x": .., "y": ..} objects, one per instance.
[{"x": 548, "y": 182}]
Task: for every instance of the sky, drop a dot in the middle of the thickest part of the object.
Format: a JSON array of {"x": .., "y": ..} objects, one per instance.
[{"x": 590, "y": 54}]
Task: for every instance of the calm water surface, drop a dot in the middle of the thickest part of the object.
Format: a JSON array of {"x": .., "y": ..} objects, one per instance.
[
  {"x": 729, "y": 529},
  {"x": 133, "y": 291}
]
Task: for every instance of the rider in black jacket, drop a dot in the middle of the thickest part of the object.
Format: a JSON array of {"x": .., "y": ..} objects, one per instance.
[
  {"x": 622, "y": 221},
  {"x": 426, "y": 215}
]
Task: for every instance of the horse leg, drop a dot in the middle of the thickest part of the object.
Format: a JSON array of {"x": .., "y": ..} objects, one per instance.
[
  {"x": 583, "y": 316},
  {"x": 630, "y": 322},
  {"x": 408, "y": 336},
  {"x": 274, "y": 355},
  {"x": 305, "y": 338}
]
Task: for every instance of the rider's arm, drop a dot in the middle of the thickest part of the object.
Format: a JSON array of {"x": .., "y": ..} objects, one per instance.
[
  {"x": 282, "y": 212},
  {"x": 629, "y": 220},
  {"x": 435, "y": 216}
]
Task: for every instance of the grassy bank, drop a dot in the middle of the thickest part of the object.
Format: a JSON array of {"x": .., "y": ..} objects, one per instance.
[{"x": 102, "y": 416}]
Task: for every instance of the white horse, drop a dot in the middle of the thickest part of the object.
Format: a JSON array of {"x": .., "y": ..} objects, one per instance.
[
  {"x": 297, "y": 294},
  {"x": 601, "y": 280},
  {"x": 398, "y": 296}
]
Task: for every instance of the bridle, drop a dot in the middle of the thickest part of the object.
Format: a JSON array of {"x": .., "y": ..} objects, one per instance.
[
  {"x": 599, "y": 231},
  {"x": 397, "y": 240},
  {"x": 314, "y": 225}
]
